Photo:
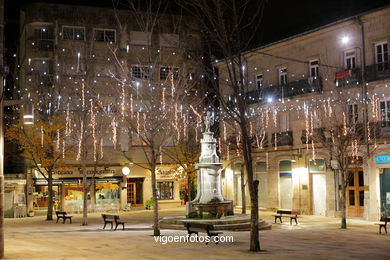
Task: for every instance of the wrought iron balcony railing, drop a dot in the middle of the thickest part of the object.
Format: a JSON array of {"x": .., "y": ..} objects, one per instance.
[
  {"x": 317, "y": 136},
  {"x": 348, "y": 77},
  {"x": 378, "y": 71},
  {"x": 282, "y": 138},
  {"x": 291, "y": 89}
]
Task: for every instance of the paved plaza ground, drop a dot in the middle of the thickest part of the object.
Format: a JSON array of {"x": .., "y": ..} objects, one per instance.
[{"x": 314, "y": 238}]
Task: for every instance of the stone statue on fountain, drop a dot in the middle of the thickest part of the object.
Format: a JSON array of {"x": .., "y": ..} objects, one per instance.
[{"x": 209, "y": 189}]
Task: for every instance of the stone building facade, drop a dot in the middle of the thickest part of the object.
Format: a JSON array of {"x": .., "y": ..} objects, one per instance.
[
  {"x": 54, "y": 39},
  {"x": 344, "y": 58}
]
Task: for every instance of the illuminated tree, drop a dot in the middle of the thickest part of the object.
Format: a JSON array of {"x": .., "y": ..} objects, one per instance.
[{"x": 40, "y": 144}]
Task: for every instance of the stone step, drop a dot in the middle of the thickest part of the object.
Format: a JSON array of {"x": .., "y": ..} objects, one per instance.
[
  {"x": 263, "y": 225},
  {"x": 180, "y": 220}
]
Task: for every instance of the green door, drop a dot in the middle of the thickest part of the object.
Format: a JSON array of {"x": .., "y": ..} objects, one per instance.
[{"x": 384, "y": 180}]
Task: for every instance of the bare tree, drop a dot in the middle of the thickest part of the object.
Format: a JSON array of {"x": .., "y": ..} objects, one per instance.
[
  {"x": 341, "y": 136},
  {"x": 157, "y": 86},
  {"x": 229, "y": 27}
]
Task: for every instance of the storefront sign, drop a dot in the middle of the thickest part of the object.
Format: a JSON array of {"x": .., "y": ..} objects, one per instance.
[
  {"x": 165, "y": 172},
  {"x": 382, "y": 159},
  {"x": 77, "y": 173}
]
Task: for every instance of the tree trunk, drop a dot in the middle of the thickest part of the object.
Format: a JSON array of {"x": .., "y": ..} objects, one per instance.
[
  {"x": 343, "y": 207},
  {"x": 247, "y": 152},
  {"x": 50, "y": 194},
  {"x": 189, "y": 188},
  {"x": 243, "y": 197},
  {"x": 156, "y": 225},
  {"x": 85, "y": 200}
]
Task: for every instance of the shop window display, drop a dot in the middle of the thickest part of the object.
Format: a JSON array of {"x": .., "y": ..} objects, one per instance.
[
  {"x": 41, "y": 196},
  {"x": 106, "y": 197},
  {"x": 165, "y": 190}
]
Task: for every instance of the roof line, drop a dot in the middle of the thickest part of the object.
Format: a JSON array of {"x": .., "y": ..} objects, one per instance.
[{"x": 313, "y": 30}]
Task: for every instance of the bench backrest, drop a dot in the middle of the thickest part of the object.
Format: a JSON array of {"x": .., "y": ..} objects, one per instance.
[
  {"x": 63, "y": 213},
  {"x": 107, "y": 216},
  {"x": 198, "y": 226},
  {"x": 283, "y": 212},
  {"x": 289, "y": 212}
]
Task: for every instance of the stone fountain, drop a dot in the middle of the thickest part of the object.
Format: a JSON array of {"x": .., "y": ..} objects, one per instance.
[{"x": 209, "y": 196}]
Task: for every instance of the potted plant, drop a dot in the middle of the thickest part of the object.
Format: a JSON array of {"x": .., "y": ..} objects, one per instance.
[{"x": 149, "y": 203}]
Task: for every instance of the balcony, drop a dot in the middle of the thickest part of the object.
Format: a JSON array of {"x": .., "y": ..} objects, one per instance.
[
  {"x": 380, "y": 129},
  {"x": 282, "y": 138},
  {"x": 378, "y": 71},
  {"x": 318, "y": 136},
  {"x": 291, "y": 89},
  {"x": 348, "y": 77}
]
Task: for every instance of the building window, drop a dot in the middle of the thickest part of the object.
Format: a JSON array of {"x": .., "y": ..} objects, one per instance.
[
  {"x": 73, "y": 33},
  {"x": 317, "y": 165},
  {"x": 353, "y": 114},
  {"x": 104, "y": 35},
  {"x": 314, "y": 67},
  {"x": 385, "y": 113},
  {"x": 259, "y": 81},
  {"x": 283, "y": 122},
  {"x": 285, "y": 166},
  {"x": 349, "y": 60},
  {"x": 140, "y": 72},
  {"x": 283, "y": 76},
  {"x": 166, "y": 72},
  {"x": 382, "y": 56},
  {"x": 108, "y": 109},
  {"x": 261, "y": 167},
  {"x": 43, "y": 33},
  {"x": 165, "y": 190}
]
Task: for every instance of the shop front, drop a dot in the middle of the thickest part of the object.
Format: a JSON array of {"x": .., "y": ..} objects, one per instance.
[
  {"x": 383, "y": 164},
  {"x": 104, "y": 187},
  {"x": 168, "y": 187}
]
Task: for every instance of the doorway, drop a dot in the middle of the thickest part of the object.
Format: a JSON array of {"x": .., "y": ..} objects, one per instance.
[
  {"x": 355, "y": 193},
  {"x": 237, "y": 185},
  {"x": 285, "y": 184},
  {"x": 384, "y": 182},
  {"x": 135, "y": 191},
  {"x": 319, "y": 194}
]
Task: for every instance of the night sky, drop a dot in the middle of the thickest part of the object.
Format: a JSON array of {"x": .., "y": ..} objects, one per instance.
[{"x": 282, "y": 18}]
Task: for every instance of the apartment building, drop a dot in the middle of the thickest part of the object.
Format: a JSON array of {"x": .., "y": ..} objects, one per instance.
[
  {"x": 60, "y": 47},
  {"x": 306, "y": 74}
]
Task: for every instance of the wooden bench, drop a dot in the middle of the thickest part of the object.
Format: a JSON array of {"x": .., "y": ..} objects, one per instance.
[
  {"x": 383, "y": 224},
  {"x": 111, "y": 219},
  {"x": 195, "y": 228},
  {"x": 64, "y": 216},
  {"x": 293, "y": 215}
]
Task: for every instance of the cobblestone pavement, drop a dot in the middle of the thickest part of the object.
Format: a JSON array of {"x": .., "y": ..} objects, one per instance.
[{"x": 313, "y": 238}]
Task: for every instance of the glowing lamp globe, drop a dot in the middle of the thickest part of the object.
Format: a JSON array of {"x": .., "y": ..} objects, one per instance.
[{"x": 126, "y": 170}]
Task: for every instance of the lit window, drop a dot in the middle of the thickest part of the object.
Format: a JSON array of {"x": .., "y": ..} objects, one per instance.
[{"x": 165, "y": 190}]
